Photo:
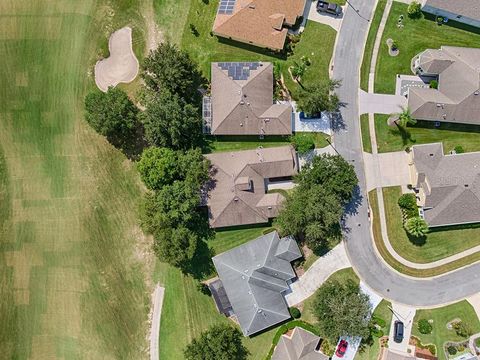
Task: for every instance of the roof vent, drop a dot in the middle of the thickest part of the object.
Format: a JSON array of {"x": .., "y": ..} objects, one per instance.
[
  {"x": 466, "y": 185},
  {"x": 241, "y": 124},
  {"x": 430, "y": 154},
  {"x": 259, "y": 311},
  {"x": 439, "y": 105},
  {"x": 269, "y": 208},
  {"x": 242, "y": 102},
  {"x": 251, "y": 6},
  {"x": 235, "y": 199},
  {"x": 476, "y": 92}
]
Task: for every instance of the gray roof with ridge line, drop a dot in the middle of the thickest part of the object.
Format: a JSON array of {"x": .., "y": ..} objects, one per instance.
[{"x": 254, "y": 276}]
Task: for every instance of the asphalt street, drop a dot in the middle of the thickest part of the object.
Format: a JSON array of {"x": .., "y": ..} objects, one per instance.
[{"x": 359, "y": 245}]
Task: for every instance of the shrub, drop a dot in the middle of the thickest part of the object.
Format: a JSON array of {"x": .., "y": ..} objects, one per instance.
[
  {"x": 204, "y": 289},
  {"x": 439, "y": 20},
  {"x": 414, "y": 10},
  {"x": 302, "y": 142},
  {"x": 477, "y": 342},
  {"x": 416, "y": 227},
  {"x": 461, "y": 348},
  {"x": 377, "y": 332},
  {"x": 424, "y": 326},
  {"x": 294, "y": 312},
  {"x": 462, "y": 328},
  {"x": 452, "y": 350},
  {"x": 327, "y": 348},
  {"x": 432, "y": 348},
  {"x": 434, "y": 84},
  {"x": 459, "y": 149},
  {"x": 379, "y": 321},
  {"x": 407, "y": 201}
]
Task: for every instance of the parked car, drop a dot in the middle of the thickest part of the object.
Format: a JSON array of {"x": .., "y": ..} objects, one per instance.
[
  {"x": 398, "y": 331},
  {"x": 342, "y": 348},
  {"x": 329, "y": 8}
]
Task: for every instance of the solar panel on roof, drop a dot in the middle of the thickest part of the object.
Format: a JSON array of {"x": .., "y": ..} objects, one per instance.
[
  {"x": 226, "y": 6},
  {"x": 238, "y": 70}
]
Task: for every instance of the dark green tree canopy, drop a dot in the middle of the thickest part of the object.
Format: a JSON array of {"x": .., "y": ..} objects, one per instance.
[
  {"x": 219, "y": 342},
  {"x": 320, "y": 97},
  {"x": 159, "y": 167},
  {"x": 334, "y": 173},
  {"x": 112, "y": 114},
  {"x": 342, "y": 310},
  {"x": 175, "y": 246},
  {"x": 171, "y": 69},
  {"x": 170, "y": 122},
  {"x": 313, "y": 214}
]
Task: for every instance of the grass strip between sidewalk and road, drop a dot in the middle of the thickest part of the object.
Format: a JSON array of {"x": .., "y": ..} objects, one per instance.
[
  {"x": 368, "y": 51},
  {"x": 365, "y": 129},
  {"x": 395, "y": 264}
]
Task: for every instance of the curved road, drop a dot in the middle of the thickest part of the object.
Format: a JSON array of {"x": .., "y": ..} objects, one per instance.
[{"x": 360, "y": 248}]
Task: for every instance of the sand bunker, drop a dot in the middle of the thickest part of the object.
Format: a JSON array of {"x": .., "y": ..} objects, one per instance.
[{"x": 121, "y": 65}]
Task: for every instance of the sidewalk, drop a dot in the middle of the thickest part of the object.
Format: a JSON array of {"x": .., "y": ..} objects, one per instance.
[{"x": 157, "y": 313}]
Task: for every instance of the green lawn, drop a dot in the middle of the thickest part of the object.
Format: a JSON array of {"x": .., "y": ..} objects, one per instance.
[
  {"x": 236, "y": 143},
  {"x": 371, "y": 352},
  {"x": 366, "y": 139},
  {"x": 231, "y": 237},
  {"x": 437, "y": 245},
  {"x": 74, "y": 272},
  {"x": 413, "y": 38},
  {"x": 171, "y": 16},
  {"x": 380, "y": 245},
  {"x": 424, "y": 132},
  {"x": 316, "y": 43},
  {"x": 441, "y": 316},
  {"x": 368, "y": 51}
]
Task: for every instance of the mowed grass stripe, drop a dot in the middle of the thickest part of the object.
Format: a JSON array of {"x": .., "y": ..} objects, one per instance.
[{"x": 73, "y": 282}]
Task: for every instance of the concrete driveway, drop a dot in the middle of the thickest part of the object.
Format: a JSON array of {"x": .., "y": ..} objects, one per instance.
[
  {"x": 312, "y": 14},
  {"x": 406, "y": 315},
  {"x": 303, "y": 288},
  {"x": 387, "y": 169},
  {"x": 380, "y": 103}
]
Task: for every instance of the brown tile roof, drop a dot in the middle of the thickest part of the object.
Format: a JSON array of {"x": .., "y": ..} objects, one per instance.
[
  {"x": 451, "y": 184},
  {"x": 245, "y": 107},
  {"x": 259, "y": 22},
  {"x": 457, "y": 99},
  {"x": 237, "y": 195}
]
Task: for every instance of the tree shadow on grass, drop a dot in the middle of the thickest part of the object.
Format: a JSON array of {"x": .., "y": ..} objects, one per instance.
[
  {"x": 404, "y": 134},
  {"x": 201, "y": 267},
  {"x": 417, "y": 240}
]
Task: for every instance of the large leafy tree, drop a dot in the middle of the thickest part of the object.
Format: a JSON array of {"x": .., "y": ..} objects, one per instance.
[
  {"x": 219, "y": 342},
  {"x": 159, "y": 167},
  {"x": 312, "y": 213},
  {"x": 113, "y": 115},
  {"x": 171, "y": 69},
  {"x": 319, "y": 97},
  {"x": 334, "y": 173},
  {"x": 342, "y": 310},
  {"x": 176, "y": 246},
  {"x": 171, "y": 122}
]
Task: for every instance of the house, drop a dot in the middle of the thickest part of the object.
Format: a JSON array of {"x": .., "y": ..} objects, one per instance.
[
  {"x": 300, "y": 345},
  {"x": 447, "y": 186},
  {"x": 464, "y": 11},
  {"x": 263, "y": 23},
  {"x": 241, "y": 101},
  {"x": 457, "y": 99},
  {"x": 254, "y": 277},
  {"x": 237, "y": 193}
]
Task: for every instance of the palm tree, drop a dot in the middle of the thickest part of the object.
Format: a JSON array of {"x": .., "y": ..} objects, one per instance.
[
  {"x": 416, "y": 226},
  {"x": 405, "y": 118}
]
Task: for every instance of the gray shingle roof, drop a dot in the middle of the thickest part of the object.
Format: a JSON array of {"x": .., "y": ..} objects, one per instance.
[
  {"x": 245, "y": 106},
  {"x": 467, "y": 8},
  {"x": 451, "y": 184},
  {"x": 300, "y": 346},
  {"x": 457, "y": 98},
  {"x": 254, "y": 278}
]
